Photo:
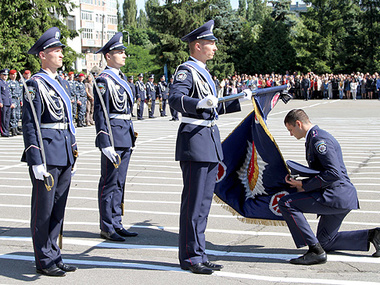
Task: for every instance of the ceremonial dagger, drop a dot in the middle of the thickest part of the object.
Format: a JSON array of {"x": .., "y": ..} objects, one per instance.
[
  {"x": 107, "y": 119},
  {"x": 48, "y": 180}
]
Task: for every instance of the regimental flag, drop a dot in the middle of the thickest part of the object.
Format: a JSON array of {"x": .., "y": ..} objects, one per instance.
[{"x": 251, "y": 178}]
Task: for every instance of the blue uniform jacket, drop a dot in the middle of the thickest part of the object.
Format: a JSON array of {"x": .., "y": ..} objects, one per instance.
[
  {"x": 323, "y": 153},
  {"x": 140, "y": 90},
  {"x": 122, "y": 130},
  {"x": 194, "y": 142},
  {"x": 150, "y": 91},
  {"x": 59, "y": 144},
  {"x": 163, "y": 90},
  {"x": 133, "y": 88},
  {"x": 5, "y": 97}
]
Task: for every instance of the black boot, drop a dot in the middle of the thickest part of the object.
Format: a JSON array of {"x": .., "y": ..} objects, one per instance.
[
  {"x": 14, "y": 132},
  {"x": 374, "y": 237}
]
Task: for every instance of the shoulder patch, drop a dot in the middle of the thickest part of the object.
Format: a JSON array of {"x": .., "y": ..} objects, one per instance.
[
  {"x": 181, "y": 75},
  {"x": 32, "y": 92},
  {"x": 321, "y": 146},
  {"x": 102, "y": 88}
]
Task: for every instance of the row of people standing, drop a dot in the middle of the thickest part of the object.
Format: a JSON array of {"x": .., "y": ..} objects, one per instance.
[
  {"x": 11, "y": 101},
  {"x": 329, "y": 86},
  {"x": 82, "y": 99},
  {"x": 149, "y": 93}
]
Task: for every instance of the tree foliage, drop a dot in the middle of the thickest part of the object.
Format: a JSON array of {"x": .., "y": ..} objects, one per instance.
[
  {"x": 23, "y": 22},
  {"x": 129, "y": 14}
]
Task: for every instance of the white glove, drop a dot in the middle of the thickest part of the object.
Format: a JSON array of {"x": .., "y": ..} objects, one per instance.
[
  {"x": 40, "y": 171},
  {"x": 74, "y": 169},
  {"x": 208, "y": 102},
  {"x": 110, "y": 153},
  {"x": 247, "y": 95}
]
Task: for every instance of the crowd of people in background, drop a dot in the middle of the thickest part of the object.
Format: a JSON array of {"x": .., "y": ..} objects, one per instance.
[
  {"x": 308, "y": 86},
  {"x": 301, "y": 86}
]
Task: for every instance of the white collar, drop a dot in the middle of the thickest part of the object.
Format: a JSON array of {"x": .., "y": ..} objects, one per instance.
[
  {"x": 115, "y": 70},
  {"x": 200, "y": 63},
  {"x": 51, "y": 75}
]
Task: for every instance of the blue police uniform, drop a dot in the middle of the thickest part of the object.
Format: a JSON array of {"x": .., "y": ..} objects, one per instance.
[
  {"x": 51, "y": 100},
  {"x": 73, "y": 96},
  {"x": 82, "y": 98},
  {"x": 16, "y": 94},
  {"x": 198, "y": 148},
  {"x": 118, "y": 99},
  {"x": 140, "y": 96},
  {"x": 6, "y": 99},
  {"x": 329, "y": 194},
  {"x": 173, "y": 112},
  {"x": 133, "y": 88},
  {"x": 151, "y": 96},
  {"x": 163, "y": 92}
]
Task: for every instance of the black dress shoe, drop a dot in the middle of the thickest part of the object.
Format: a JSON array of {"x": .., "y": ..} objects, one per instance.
[
  {"x": 310, "y": 258},
  {"x": 199, "y": 268},
  {"x": 213, "y": 266},
  {"x": 111, "y": 236},
  {"x": 66, "y": 267},
  {"x": 140, "y": 119},
  {"x": 52, "y": 271},
  {"x": 374, "y": 237},
  {"x": 124, "y": 233}
]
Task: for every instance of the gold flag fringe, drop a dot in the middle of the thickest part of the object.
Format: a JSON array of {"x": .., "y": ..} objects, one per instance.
[{"x": 248, "y": 220}]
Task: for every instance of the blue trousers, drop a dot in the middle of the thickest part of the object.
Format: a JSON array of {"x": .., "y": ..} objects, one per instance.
[
  {"x": 5, "y": 119},
  {"x": 47, "y": 212},
  {"x": 293, "y": 206},
  {"x": 199, "y": 180},
  {"x": 163, "y": 111},
  {"x": 151, "y": 111},
  {"x": 140, "y": 111},
  {"x": 111, "y": 189}
]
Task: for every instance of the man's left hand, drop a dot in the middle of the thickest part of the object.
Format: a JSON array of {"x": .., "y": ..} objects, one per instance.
[{"x": 294, "y": 183}]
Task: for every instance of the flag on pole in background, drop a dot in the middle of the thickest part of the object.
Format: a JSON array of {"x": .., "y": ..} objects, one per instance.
[{"x": 251, "y": 178}]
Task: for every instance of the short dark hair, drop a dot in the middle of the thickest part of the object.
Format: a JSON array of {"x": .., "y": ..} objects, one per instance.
[{"x": 296, "y": 115}]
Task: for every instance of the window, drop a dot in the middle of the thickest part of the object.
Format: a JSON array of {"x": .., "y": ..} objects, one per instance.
[
  {"x": 86, "y": 16},
  {"x": 87, "y": 34},
  {"x": 111, "y": 19},
  {"x": 71, "y": 23},
  {"x": 110, "y": 35}
]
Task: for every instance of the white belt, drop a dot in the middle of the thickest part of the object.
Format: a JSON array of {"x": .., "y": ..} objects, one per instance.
[
  {"x": 120, "y": 116},
  {"x": 57, "y": 126},
  {"x": 205, "y": 123}
]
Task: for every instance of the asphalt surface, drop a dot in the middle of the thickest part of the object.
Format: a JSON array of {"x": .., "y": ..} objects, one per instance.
[{"x": 251, "y": 254}]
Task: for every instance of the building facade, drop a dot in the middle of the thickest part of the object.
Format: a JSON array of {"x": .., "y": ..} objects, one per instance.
[{"x": 96, "y": 23}]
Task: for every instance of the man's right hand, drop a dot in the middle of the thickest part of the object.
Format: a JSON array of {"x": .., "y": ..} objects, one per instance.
[
  {"x": 208, "y": 102},
  {"x": 110, "y": 153},
  {"x": 40, "y": 171}
]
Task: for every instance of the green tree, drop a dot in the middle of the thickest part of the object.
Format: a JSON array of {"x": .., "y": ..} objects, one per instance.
[
  {"x": 257, "y": 11},
  {"x": 142, "y": 21},
  {"x": 139, "y": 60},
  {"x": 370, "y": 35},
  {"x": 322, "y": 43},
  {"x": 119, "y": 18},
  {"x": 23, "y": 22},
  {"x": 242, "y": 9},
  {"x": 129, "y": 14},
  {"x": 171, "y": 22}
]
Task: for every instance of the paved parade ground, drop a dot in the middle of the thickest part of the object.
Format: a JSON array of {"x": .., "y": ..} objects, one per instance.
[{"x": 251, "y": 254}]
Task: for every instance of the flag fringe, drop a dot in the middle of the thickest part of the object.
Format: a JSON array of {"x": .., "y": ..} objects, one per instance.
[{"x": 245, "y": 220}]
